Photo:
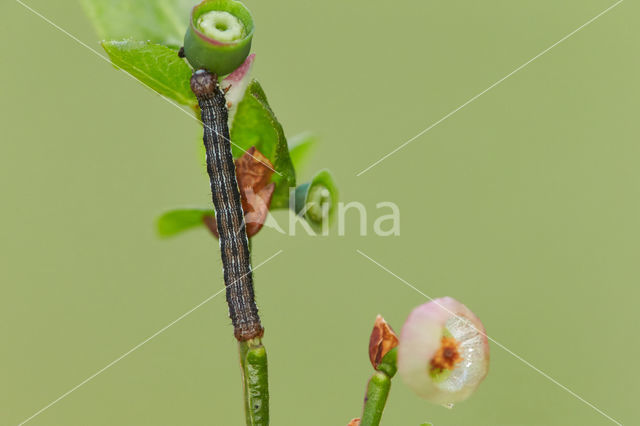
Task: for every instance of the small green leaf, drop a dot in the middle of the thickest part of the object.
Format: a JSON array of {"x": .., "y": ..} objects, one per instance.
[
  {"x": 155, "y": 65},
  {"x": 176, "y": 221},
  {"x": 300, "y": 146},
  {"x": 159, "y": 21},
  {"x": 255, "y": 124}
]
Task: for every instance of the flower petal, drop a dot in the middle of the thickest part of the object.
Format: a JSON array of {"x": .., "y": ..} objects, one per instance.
[{"x": 235, "y": 85}]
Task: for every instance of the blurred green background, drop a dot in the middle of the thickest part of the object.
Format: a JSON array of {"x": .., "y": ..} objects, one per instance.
[{"x": 525, "y": 205}]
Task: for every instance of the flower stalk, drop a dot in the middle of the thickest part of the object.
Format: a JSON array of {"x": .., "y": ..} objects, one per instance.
[
  {"x": 378, "y": 390},
  {"x": 253, "y": 361},
  {"x": 383, "y": 355}
]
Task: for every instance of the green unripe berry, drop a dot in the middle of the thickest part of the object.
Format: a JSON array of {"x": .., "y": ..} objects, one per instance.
[
  {"x": 317, "y": 200},
  {"x": 219, "y": 36}
]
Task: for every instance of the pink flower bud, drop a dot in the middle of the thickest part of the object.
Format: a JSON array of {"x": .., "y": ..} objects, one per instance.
[{"x": 443, "y": 353}]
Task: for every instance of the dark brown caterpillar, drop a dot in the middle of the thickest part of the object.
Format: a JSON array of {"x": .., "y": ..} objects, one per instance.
[{"x": 234, "y": 244}]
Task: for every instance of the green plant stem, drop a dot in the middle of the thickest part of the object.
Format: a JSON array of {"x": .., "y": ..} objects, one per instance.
[
  {"x": 376, "y": 398},
  {"x": 242, "y": 349},
  {"x": 253, "y": 360}
]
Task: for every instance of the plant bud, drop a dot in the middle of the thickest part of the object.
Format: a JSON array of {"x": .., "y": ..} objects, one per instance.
[{"x": 382, "y": 340}]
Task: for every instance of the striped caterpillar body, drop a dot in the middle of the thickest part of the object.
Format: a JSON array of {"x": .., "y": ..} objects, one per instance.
[{"x": 234, "y": 244}]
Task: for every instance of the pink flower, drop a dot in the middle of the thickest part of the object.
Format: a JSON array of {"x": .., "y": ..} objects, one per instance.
[{"x": 443, "y": 353}]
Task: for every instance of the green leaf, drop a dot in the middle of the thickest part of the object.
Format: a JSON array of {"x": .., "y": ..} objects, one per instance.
[
  {"x": 300, "y": 146},
  {"x": 255, "y": 124},
  {"x": 155, "y": 65},
  {"x": 176, "y": 221},
  {"x": 159, "y": 21}
]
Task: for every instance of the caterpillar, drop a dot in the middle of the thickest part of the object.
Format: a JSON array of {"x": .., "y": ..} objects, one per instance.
[{"x": 234, "y": 244}]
